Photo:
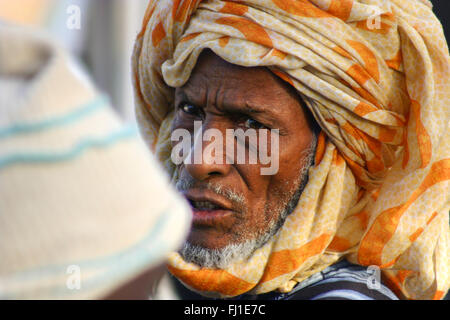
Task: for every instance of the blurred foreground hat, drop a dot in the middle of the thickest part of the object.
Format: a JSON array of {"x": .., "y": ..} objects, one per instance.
[{"x": 84, "y": 208}]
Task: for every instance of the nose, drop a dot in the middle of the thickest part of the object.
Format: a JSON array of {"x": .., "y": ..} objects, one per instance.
[{"x": 208, "y": 155}]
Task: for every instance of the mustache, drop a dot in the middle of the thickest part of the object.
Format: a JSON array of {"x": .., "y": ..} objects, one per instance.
[{"x": 184, "y": 184}]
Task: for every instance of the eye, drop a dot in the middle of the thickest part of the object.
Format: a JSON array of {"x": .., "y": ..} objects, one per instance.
[
  {"x": 190, "y": 109},
  {"x": 253, "y": 124}
]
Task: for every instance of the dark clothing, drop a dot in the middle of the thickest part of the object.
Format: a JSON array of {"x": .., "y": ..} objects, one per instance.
[{"x": 341, "y": 281}]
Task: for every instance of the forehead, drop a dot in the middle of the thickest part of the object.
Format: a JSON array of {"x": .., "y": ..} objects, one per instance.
[{"x": 257, "y": 83}]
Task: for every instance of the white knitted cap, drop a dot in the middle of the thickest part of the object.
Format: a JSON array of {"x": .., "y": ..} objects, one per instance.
[{"x": 84, "y": 207}]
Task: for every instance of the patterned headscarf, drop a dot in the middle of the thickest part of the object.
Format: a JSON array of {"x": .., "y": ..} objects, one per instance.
[{"x": 375, "y": 75}]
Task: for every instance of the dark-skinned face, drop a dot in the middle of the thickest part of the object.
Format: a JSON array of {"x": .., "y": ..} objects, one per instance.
[{"x": 226, "y": 96}]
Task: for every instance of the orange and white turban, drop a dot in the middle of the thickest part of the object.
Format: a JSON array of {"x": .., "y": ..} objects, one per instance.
[{"x": 375, "y": 74}]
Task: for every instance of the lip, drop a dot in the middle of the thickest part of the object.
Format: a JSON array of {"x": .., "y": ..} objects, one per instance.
[{"x": 210, "y": 217}]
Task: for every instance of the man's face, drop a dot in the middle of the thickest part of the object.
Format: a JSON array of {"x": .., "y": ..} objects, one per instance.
[{"x": 233, "y": 203}]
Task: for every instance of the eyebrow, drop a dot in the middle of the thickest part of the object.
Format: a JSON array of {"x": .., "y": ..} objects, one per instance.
[{"x": 248, "y": 106}]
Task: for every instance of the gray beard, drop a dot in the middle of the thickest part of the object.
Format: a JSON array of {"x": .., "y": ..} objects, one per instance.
[{"x": 235, "y": 252}]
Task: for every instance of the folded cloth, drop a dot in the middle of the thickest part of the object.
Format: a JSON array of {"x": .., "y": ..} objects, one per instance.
[
  {"x": 84, "y": 207},
  {"x": 375, "y": 75}
]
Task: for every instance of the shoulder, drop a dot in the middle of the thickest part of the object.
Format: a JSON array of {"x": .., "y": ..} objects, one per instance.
[{"x": 341, "y": 281}]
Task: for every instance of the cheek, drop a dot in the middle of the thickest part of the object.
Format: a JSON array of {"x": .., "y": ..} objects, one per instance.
[
  {"x": 254, "y": 187},
  {"x": 182, "y": 121},
  {"x": 294, "y": 150},
  {"x": 181, "y": 129},
  {"x": 267, "y": 195},
  {"x": 285, "y": 183},
  {"x": 265, "y": 200},
  {"x": 279, "y": 195}
]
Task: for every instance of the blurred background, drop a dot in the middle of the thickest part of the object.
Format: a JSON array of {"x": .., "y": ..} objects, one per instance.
[
  {"x": 102, "y": 39},
  {"x": 99, "y": 34}
]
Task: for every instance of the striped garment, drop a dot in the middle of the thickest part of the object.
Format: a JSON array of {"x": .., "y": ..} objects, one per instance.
[{"x": 340, "y": 281}]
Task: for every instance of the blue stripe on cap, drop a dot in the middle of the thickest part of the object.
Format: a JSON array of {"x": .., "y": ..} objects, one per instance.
[
  {"x": 65, "y": 119},
  {"x": 86, "y": 143}
]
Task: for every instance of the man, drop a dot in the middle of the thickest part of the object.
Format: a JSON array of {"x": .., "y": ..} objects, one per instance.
[
  {"x": 369, "y": 190},
  {"x": 71, "y": 226}
]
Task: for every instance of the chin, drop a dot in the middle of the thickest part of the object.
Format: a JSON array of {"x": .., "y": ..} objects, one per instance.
[
  {"x": 217, "y": 258},
  {"x": 218, "y": 252},
  {"x": 209, "y": 239}
]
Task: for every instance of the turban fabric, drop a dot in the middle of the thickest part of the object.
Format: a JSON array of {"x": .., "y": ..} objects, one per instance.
[{"x": 375, "y": 75}]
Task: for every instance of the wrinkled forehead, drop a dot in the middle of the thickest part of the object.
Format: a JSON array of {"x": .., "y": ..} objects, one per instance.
[{"x": 255, "y": 83}]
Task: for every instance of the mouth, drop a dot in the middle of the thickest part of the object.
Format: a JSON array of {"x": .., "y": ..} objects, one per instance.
[
  {"x": 209, "y": 210},
  {"x": 205, "y": 205}
]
